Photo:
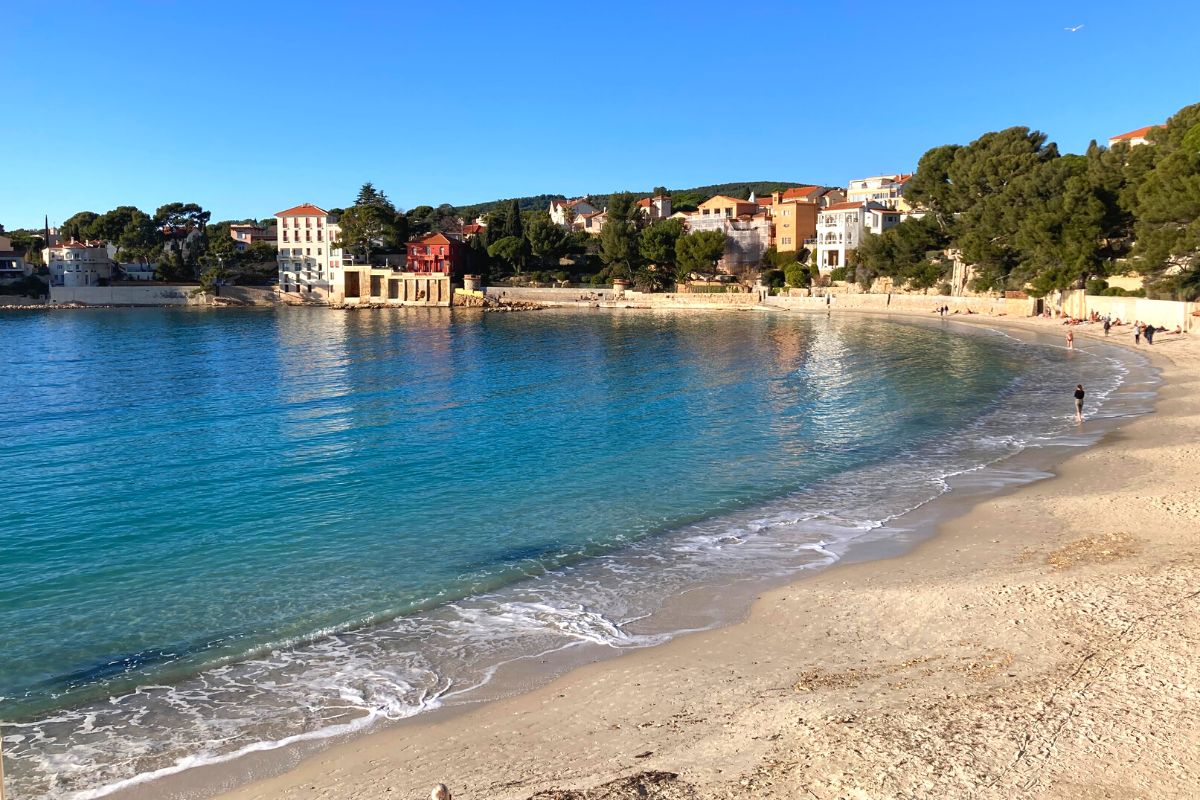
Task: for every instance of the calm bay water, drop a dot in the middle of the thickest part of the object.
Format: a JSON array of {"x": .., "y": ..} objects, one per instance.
[{"x": 224, "y": 530}]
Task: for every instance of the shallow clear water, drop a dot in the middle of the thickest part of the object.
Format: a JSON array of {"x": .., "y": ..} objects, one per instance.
[{"x": 227, "y": 530}]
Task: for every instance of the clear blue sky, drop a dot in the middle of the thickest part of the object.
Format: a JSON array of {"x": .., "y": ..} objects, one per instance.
[{"x": 251, "y": 108}]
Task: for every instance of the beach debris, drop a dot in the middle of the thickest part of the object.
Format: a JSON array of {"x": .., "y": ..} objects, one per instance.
[{"x": 440, "y": 792}]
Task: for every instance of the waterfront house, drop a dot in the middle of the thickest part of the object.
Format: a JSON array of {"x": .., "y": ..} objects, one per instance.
[
  {"x": 1134, "y": 138},
  {"x": 12, "y": 263},
  {"x": 431, "y": 264},
  {"x": 74, "y": 264},
  {"x": 841, "y": 226}
]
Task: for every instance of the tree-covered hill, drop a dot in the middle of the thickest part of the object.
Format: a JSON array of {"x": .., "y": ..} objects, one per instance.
[{"x": 681, "y": 198}]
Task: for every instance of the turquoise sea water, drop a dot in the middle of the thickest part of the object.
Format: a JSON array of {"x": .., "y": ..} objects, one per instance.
[{"x": 224, "y": 530}]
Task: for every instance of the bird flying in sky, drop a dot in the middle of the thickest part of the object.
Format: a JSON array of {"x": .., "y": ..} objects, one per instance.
[{"x": 1073, "y": 28}]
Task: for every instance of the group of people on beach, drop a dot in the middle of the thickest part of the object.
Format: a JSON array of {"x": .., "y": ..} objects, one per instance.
[
  {"x": 1140, "y": 329},
  {"x": 942, "y": 311}
]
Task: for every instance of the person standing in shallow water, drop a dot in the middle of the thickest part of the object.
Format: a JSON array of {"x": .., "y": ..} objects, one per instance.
[
  {"x": 1070, "y": 340},
  {"x": 1079, "y": 393}
]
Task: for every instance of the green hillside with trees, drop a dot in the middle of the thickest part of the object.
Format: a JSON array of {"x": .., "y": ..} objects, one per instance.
[{"x": 681, "y": 199}]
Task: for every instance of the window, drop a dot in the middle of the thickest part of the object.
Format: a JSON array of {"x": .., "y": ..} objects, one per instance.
[
  {"x": 442, "y": 250},
  {"x": 376, "y": 285},
  {"x": 308, "y": 251},
  {"x": 318, "y": 251},
  {"x": 787, "y": 240},
  {"x": 285, "y": 236}
]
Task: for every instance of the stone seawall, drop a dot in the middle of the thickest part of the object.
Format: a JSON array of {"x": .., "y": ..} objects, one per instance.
[
  {"x": 149, "y": 295},
  {"x": 607, "y": 298},
  {"x": 995, "y": 306}
]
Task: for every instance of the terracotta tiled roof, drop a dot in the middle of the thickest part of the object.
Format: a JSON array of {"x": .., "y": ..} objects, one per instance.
[
  {"x": 764, "y": 201},
  {"x": 472, "y": 228},
  {"x": 303, "y": 210},
  {"x": 1140, "y": 133},
  {"x": 802, "y": 192},
  {"x": 645, "y": 202},
  {"x": 431, "y": 238},
  {"x": 728, "y": 199},
  {"x": 844, "y": 206}
]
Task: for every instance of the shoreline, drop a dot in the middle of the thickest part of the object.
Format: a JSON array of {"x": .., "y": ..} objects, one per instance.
[{"x": 462, "y": 730}]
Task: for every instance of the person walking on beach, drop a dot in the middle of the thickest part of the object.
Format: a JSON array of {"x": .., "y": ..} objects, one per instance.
[
  {"x": 1149, "y": 334},
  {"x": 1107, "y": 325},
  {"x": 1079, "y": 393},
  {"x": 1137, "y": 332}
]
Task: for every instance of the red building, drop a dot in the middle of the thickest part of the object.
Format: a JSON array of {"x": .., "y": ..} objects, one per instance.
[{"x": 435, "y": 252}]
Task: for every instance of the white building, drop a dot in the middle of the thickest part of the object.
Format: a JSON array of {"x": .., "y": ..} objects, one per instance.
[
  {"x": 887, "y": 190},
  {"x": 73, "y": 264},
  {"x": 309, "y": 265},
  {"x": 840, "y": 228},
  {"x": 560, "y": 210}
]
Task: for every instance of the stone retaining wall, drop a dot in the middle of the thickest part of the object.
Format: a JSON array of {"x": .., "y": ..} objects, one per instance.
[{"x": 150, "y": 295}]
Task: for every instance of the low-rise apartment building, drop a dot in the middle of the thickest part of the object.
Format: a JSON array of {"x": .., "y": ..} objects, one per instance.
[
  {"x": 747, "y": 237},
  {"x": 309, "y": 265},
  {"x": 887, "y": 190},
  {"x": 841, "y": 226},
  {"x": 794, "y": 216}
]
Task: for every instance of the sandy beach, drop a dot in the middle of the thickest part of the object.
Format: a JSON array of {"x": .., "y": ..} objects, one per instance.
[{"x": 1041, "y": 645}]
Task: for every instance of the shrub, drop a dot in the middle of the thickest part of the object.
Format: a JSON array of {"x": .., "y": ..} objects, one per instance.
[
  {"x": 944, "y": 289},
  {"x": 1096, "y": 286},
  {"x": 797, "y": 275},
  {"x": 838, "y": 274}
]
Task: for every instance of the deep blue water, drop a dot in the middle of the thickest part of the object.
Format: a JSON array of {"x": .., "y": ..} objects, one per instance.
[{"x": 248, "y": 525}]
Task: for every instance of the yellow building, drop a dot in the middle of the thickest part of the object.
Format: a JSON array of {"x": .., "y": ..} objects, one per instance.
[
  {"x": 794, "y": 220},
  {"x": 727, "y": 207}
]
